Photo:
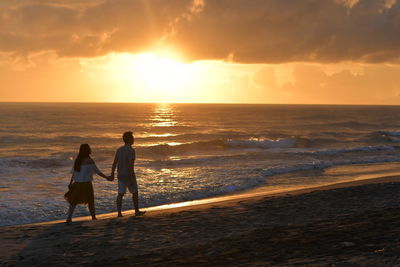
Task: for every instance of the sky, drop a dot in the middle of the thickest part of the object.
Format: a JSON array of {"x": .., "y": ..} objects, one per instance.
[{"x": 203, "y": 51}]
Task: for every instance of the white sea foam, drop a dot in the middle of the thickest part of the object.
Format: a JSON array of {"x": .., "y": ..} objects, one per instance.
[
  {"x": 337, "y": 151},
  {"x": 391, "y": 133},
  {"x": 262, "y": 143},
  {"x": 393, "y": 136},
  {"x": 320, "y": 165},
  {"x": 34, "y": 162}
]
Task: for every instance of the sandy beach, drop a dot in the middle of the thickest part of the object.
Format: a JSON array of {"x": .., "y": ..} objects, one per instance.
[{"x": 347, "y": 224}]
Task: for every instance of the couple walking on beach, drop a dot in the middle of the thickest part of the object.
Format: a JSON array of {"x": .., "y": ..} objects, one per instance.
[{"x": 81, "y": 188}]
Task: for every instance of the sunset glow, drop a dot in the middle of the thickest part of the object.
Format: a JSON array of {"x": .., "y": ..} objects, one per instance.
[
  {"x": 183, "y": 51},
  {"x": 146, "y": 74}
]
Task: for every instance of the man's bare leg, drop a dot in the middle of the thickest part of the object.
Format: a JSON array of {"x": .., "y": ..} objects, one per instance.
[
  {"x": 135, "y": 199},
  {"x": 119, "y": 204}
]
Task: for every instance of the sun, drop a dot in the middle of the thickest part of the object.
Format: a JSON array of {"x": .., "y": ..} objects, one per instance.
[
  {"x": 163, "y": 75},
  {"x": 153, "y": 76}
]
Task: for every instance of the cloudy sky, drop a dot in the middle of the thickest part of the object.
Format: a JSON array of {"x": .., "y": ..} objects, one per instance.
[{"x": 241, "y": 51}]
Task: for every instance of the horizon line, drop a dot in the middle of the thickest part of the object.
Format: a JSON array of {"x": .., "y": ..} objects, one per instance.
[{"x": 188, "y": 103}]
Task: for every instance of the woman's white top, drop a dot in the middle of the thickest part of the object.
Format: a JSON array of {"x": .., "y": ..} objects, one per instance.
[{"x": 86, "y": 173}]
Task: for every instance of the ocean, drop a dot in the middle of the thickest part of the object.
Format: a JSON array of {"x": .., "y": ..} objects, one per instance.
[{"x": 187, "y": 151}]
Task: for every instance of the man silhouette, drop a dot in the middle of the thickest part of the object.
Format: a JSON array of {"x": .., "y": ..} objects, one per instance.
[{"x": 124, "y": 162}]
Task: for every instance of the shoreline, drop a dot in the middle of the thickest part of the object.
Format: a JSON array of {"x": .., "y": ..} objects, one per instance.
[
  {"x": 351, "y": 223},
  {"x": 255, "y": 193}
]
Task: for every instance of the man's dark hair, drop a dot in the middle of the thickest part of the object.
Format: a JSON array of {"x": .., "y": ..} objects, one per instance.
[{"x": 127, "y": 137}]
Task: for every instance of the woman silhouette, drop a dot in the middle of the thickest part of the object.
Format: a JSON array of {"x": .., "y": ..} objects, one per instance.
[{"x": 81, "y": 188}]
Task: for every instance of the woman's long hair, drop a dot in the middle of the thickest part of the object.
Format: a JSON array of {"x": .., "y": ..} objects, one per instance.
[{"x": 84, "y": 152}]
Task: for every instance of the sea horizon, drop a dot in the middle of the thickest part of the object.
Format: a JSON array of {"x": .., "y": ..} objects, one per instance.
[{"x": 189, "y": 103}]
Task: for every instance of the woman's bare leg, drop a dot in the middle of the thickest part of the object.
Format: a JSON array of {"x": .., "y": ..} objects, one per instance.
[
  {"x": 70, "y": 212},
  {"x": 92, "y": 210}
]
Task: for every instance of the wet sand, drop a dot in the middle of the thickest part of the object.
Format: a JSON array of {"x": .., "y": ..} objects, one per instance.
[{"x": 347, "y": 224}]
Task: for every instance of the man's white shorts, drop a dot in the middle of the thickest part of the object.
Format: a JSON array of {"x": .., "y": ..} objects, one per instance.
[{"x": 131, "y": 184}]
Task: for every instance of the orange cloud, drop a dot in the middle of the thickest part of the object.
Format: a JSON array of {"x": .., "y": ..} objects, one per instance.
[
  {"x": 376, "y": 84},
  {"x": 89, "y": 30}
]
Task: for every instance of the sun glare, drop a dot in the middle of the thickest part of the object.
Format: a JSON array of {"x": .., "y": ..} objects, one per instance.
[
  {"x": 161, "y": 78},
  {"x": 163, "y": 74}
]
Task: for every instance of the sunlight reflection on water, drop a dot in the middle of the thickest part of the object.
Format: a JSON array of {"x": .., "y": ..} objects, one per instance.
[
  {"x": 163, "y": 116},
  {"x": 162, "y": 135}
]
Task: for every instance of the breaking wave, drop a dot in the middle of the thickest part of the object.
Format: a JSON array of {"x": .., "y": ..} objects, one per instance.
[
  {"x": 336, "y": 151},
  {"x": 320, "y": 165},
  {"x": 218, "y": 144},
  {"x": 34, "y": 162}
]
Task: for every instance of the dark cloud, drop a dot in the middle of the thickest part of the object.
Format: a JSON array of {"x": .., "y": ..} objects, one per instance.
[
  {"x": 277, "y": 31},
  {"x": 256, "y": 31}
]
